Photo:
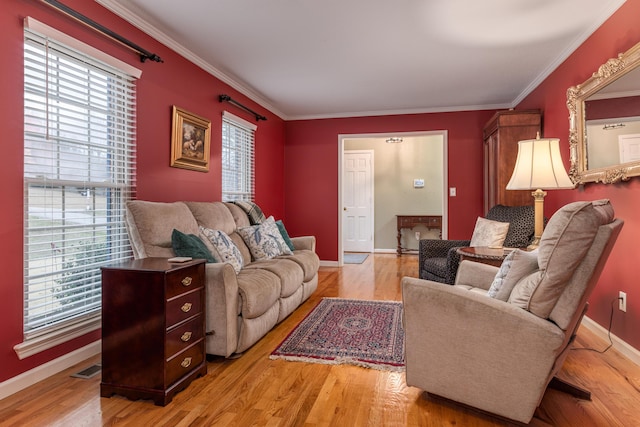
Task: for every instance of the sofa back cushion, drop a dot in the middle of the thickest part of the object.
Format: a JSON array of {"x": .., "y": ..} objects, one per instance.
[
  {"x": 225, "y": 217},
  {"x": 521, "y": 220},
  {"x": 151, "y": 224},
  {"x": 239, "y": 215},
  {"x": 563, "y": 246},
  {"x": 213, "y": 215}
]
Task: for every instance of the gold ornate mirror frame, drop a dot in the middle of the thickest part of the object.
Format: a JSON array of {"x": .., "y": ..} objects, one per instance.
[{"x": 609, "y": 72}]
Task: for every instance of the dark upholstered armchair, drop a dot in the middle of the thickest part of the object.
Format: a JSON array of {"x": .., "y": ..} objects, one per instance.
[{"x": 438, "y": 259}]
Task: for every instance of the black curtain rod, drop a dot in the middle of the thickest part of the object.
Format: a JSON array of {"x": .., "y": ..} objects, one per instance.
[
  {"x": 228, "y": 99},
  {"x": 144, "y": 54}
]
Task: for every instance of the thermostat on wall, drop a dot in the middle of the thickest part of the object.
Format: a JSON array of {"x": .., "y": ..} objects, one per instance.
[{"x": 418, "y": 183}]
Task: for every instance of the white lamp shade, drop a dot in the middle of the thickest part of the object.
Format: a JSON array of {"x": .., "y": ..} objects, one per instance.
[{"x": 539, "y": 166}]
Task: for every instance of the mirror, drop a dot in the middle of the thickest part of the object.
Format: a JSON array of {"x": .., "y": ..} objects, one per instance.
[{"x": 604, "y": 122}]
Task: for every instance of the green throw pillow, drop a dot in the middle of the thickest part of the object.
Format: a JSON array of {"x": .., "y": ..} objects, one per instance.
[
  {"x": 190, "y": 245},
  {"x": 285, "y": 235}
]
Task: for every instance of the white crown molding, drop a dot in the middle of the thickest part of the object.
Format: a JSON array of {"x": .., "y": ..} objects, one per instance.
[
  {"x": 163, "y": 38},
  {"x": 453, "y": 109},
  {"x": 577, "y": 42}
]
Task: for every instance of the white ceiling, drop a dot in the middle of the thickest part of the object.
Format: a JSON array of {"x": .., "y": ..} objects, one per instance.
[{"x": 338, "y": 58}]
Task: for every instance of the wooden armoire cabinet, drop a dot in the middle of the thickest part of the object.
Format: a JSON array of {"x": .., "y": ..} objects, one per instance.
[{"x": 501, "y": 135}]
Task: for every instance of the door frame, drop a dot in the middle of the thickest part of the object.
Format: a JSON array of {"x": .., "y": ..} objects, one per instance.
[
  {"x": 385, "y": 135},
  {"x": 372, "y": 204}
]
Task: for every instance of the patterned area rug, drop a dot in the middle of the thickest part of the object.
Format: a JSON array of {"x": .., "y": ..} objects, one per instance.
[{"x": 347, "y": 331}]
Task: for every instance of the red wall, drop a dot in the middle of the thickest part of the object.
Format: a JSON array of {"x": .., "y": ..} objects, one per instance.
[
  {"x": 616, "y": 35},
  {"x": 311, "y": 155},
  {"x": 174, "y": 82},
  {"x": 611, "y": 108},
  {"x": 310, "y": 177}
]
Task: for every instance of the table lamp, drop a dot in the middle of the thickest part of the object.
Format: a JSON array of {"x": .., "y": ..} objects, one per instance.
[{"x": 539, "y": 166}]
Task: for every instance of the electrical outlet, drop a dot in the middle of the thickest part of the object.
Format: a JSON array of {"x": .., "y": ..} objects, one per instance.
[
  {"x": 417, "y": 235},
  {"x": 622, "y": 301}
]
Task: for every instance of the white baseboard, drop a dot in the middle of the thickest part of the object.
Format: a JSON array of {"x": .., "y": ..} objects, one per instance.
[
  {"x": 622, "y": 347},
  {"x": 39, "y": 373},
  {"x": 328, "y": 263}
]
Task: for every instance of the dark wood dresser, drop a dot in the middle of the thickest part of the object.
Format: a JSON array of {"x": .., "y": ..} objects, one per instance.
[{"x": 152, "y": 328}]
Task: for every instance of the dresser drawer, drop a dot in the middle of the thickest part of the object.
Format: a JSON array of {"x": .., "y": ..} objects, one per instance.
[
  {"x": 431, "y": 221},
  {"x": 183, "y": 307},
  {"x": 184, "y": 335},
  {"x": 183, "y": 363},
  {"x": 184, "y": 280}
]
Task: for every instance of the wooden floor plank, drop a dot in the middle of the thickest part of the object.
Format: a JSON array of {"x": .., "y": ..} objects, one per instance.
[{"x": 253, "y": 390}]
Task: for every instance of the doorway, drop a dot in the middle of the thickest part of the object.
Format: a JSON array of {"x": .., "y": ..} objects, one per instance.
[{"x": 409, "y": 178}]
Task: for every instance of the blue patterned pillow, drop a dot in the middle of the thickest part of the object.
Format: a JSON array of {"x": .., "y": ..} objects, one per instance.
[
  {"x": 224, "y": 250},
  {"x": 264, "y": 240},
  {"x": 516, "y": 265}
]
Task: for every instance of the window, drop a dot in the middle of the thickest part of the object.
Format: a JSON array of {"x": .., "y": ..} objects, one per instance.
[
  {"x": 237, "y": 158},
  {"x": 79, "y": 159}
]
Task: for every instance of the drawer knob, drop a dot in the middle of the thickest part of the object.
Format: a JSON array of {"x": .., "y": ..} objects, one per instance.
[
  {"x": 186, "y": 336},
  {"x": 186, "y": 307},
  {"x": 187, "y": 281},
  {"x": 186, "y": 362}
]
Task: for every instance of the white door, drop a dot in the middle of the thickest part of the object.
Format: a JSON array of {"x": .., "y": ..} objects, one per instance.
[
  {"x": 357, "y": 199},
  {"x": 629, "y": 147}
]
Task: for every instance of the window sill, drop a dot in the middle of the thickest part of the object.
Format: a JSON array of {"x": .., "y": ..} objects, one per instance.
[{"x": 44, "y": 342}]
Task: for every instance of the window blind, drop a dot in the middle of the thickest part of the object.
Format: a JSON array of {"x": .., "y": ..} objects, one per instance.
[
  {"x": 79, "y": 163},
  {"x": 237, "y": 158}
]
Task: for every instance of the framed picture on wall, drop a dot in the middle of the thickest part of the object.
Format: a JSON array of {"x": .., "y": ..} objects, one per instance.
[{"x": 190, "y": 141}]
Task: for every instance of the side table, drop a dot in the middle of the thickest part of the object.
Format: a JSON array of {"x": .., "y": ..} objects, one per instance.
[
  {"x": 153, "y": 325},
  {"x": 483, "y": 254},
  {"x": 431, "y": 222}
]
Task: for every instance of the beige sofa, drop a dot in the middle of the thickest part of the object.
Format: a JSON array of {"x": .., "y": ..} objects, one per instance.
[
  {"x": 498, "y": 352},
  {"x": 241, "y": 307}
]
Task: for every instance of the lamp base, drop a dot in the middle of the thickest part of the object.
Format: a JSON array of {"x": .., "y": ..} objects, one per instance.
[{"x": 538, "y": 204}]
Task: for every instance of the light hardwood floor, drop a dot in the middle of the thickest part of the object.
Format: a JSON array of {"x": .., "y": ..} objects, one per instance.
[{"x": 255, "y": 391}]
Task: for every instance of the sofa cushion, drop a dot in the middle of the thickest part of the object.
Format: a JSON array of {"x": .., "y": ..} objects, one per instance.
[
  {"x": 190, "y": 245},
  {"x": 264, "y": 240},
  {"x": 515, "y": 266},
  {"x": 489, "y": 233},
  {"x": 252, "y": 210},
  {"x": 521, "y": 220},
  {"x": 224, "y": 249},
  {"x": 437, "y": 266},
  {"x": 308, "y": 260},
  {"x": 564, "y": 243},
  {"x": 287, "y": 270},
  {"x": 151, "y": 224},
  {"x": 239, "y": 216},
  {"x": 259, "y": 291},
  {"x": 213, "y": 215}
]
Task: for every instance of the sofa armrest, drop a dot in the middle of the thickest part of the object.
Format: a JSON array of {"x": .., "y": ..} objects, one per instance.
[
  {"x": 436, "y": 248},
  {"x": 476, "y": 274},
  {"x": 304, "y": 242},
  {"x": 221, "y": 309},
  {"x": 477, "y": 350}
]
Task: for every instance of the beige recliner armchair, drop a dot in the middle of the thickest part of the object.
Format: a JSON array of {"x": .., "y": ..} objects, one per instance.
[{"x": 495, "y": 340}]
